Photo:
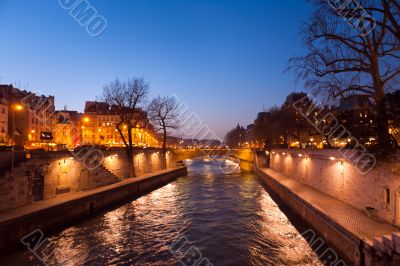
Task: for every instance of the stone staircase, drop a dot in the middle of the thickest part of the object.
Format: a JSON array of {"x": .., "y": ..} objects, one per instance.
[
  {"x": 102, "y": 176},
  {"x": 111, "y": 173},
  {"x": 385, "y": 250}
]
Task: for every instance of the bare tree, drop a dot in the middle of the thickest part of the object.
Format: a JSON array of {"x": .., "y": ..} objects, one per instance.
[
  {"x": 391, "y": 9},
  {"x": 235, "y": 137},
  {"x": 128, "y": 97},
  {"x": 163, "y": 113},
  {"x": 342, "y": 61},
  {"x": 270, "y": 128}
]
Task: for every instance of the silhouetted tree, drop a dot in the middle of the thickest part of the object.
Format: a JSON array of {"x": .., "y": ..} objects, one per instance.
[
  {"x": 295, "y": 123},
  {"x": 128, "y": 97},
  {"x": 235, "y": 137},
  {"x": 393, "y": 105},
  {"x": 342, "y": 62},
  {"x": 163, "y": 113},
  {"x": 269, "y": 128},
  {"x": 389, "y": 18}
]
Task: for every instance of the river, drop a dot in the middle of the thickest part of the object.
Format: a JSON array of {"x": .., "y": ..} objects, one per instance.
[{"x": 224, "y": 219}]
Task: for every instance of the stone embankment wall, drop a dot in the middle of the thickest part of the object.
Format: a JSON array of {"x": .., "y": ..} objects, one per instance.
[
  {"x": 6, "y": 158},
  {"x": 55, "y": 214},
  {"x": 47, "y": 175},
  {"x": 328, "y": 172}
]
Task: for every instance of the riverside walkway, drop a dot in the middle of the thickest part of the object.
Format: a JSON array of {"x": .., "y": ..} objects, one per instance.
[
  {"x": 345, "y": 215},
  {"x": 42, "y": 205},
  {"x": 57, "y": 212}
]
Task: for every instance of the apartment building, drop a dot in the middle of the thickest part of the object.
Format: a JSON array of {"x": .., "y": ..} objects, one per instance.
[
  {"x": 67, "y": 129},
  {"x": 99, "y": 127},
  {"x": 33, "y": 115},
  {"x": 4, "y": 136}
]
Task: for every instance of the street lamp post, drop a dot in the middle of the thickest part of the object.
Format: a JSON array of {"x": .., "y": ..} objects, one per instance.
[{"x": 14, "y": 108}]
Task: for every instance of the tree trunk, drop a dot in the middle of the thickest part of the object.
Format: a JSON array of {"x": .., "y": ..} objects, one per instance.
[
  {"x": 164, "y": 149},
  {"x": 384, "y": 139},
  {"x": 327, "y": 137},
  {"x": 131, "y": 165},
  {"x": 383, "y": 125},
  {"x": 299, "y": 137}
]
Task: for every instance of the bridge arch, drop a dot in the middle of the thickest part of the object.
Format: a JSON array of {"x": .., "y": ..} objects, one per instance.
[{"x": 245, "y": 157}]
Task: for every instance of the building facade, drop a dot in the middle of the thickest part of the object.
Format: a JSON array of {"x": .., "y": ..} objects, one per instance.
[
  {"x": 33, "y": 116},
  {"x": 99, "y": 127},
  {"x": 67, "y": 129},
  {"x": 4, "y": 136}
]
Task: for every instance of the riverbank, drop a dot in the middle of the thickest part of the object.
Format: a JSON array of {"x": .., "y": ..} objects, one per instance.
[
  {"x": 225, "y": 216},
  {"x": 350, "y": 231},
  {"x": 55, "y": 213}
]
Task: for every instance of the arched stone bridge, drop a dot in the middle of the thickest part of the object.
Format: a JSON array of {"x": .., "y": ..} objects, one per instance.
[{"x": 246, "y": 157}]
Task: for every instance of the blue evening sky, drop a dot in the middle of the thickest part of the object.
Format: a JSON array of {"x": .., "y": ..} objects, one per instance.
[{"x": 224, "y": 58}]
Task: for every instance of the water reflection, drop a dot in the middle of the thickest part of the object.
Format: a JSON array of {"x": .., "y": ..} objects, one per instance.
[{"x": 230, "y": 218}]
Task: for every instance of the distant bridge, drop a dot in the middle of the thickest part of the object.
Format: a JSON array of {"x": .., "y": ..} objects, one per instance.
[{"x": 246, "y": 157}]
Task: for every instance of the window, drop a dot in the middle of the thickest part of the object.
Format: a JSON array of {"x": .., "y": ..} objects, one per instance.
[{"x": 387, "y": 196}]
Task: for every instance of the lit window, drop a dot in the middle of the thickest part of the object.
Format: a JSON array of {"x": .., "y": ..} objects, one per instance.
[{"x": 387, "y": 196}]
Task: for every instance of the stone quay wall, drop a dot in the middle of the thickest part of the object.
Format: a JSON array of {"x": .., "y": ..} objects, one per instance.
[
  {"x": 57, "y": 213},
  {"x": 328, "y": 172},
  {"x": 344, "y": 242},
  {"x": 48, "y": 174}
]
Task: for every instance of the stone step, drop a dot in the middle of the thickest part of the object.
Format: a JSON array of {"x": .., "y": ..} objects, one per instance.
[
  {"x": 378, "y": 244},
  {"x": 396, "y": 241},
  {"x": 388, "y": 244}
]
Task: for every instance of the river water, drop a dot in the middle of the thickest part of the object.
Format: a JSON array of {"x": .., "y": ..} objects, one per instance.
[{"x": 224, "y": 219}]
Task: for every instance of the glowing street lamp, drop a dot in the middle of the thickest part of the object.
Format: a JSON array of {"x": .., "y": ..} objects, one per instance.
[{"x": 16, "y": 107}]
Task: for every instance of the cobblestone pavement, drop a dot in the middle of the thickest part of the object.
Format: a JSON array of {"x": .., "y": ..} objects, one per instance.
[{"x": 347, "y": 216}]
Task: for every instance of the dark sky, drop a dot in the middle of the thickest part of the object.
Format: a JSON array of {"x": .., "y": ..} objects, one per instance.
[{"x": 225, "y": 59}]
